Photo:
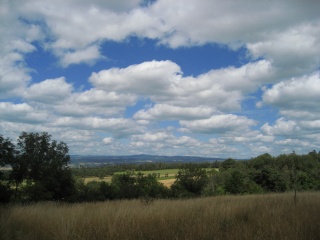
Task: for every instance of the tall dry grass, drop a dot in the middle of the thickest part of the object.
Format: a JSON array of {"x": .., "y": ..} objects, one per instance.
[{"x": 274, "y": 216}]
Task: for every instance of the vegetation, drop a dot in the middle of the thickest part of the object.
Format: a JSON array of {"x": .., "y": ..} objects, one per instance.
[
  {"x": 39, "y": 172},
  {"x": 84, "y": 171},
  {"x": 39, "y": 168},
  {"x": 61, "y": 205},
  {"x": 272, "y": 216}
]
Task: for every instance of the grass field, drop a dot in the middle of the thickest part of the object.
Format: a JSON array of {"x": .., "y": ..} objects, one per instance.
[
  {"x": 171, "y": 172},
  {"x": 167, "y": 181},
  {"x": 274, "y": 216}
]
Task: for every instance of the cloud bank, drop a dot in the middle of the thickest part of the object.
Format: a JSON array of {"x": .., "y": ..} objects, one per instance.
[{"x": 152, "y": 106}]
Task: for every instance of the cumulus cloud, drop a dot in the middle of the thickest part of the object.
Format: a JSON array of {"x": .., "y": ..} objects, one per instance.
[
  {"x": 96, "y": 97},
  {"x": 282, "y": 40},
  {"x": 21, "y": 113},
  {"x": 147, "y": 78},
  {"x": 107, "y": 140},
  {"x": 282, "y": 127},
  {"x": 88, "y": 55},
  {"x": 277, "y": 30},
  {"x": 296, "y": 94},
  {"x": 96, "y": 102},
  {"x": 219, "y": 124},
  {"x": 13, "y": 75},
  {"x": 169, "y": 112},
  {"x": 120, "y": 127},
  {"x": 49, "y": 91},
  {"x": 160, "y": 142},
  {"x": 16, "y": 39},
  {"x": 163, "y": 83}
]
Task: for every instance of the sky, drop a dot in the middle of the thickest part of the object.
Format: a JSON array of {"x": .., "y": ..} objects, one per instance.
[{"x": 211, "y": 78}]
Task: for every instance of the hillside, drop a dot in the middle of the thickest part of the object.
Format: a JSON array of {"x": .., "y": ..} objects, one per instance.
[{"x": 136, "y": 159}]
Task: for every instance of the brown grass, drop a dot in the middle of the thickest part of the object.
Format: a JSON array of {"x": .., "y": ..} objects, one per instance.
[
  {"x": 273, "y": 216},
  {"x": 167, "y": 182}
]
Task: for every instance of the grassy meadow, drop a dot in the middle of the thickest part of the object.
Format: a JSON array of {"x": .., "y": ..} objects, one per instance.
[
  {"x": 167, "y": 176},
  {"x": 272, "y": 216}
]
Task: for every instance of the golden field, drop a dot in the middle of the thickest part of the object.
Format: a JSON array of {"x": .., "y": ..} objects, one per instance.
[{"x": 272, "y": 216}]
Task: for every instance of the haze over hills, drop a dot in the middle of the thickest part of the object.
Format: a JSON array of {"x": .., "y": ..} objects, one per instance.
[{"x": 142, "y": 158}]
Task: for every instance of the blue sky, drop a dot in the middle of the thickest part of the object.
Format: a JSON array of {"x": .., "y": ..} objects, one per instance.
[{"x": 204, "y": 78}]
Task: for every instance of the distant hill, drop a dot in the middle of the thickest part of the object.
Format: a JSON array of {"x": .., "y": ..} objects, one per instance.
[{"x": 143, "y": 158}]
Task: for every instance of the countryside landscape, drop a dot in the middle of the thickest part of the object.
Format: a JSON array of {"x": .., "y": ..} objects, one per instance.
[
  {"x": 159, "y": 120},
  {"x": 260, "y": 198}
]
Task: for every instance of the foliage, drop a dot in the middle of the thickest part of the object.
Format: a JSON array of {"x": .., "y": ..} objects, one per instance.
[
  {"x": 7, "y": 152},
  {"x": 40, "y": 172},
  {"x": 84, "y": 171},
  {"x": 190, "y": 181},
  {"x": 41, "y": 164}
]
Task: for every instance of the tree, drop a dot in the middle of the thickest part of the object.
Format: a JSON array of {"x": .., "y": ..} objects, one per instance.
[
  {"x": 43, "y": 164},
  {"x": 270, "y": 179},
  {"x": 228, "y": 164},
  {"x": 190, "y": 181},
  {"x": 7, "y": 151},
  {"x": 125, "y": 186},
  {"x": 149, "y": 187}
]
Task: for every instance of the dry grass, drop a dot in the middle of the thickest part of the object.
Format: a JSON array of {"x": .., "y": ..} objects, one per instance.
[
  {"x": 97, "y": 179},
  {"x": 230, "y": 217},
  {"x": 167, "y": 182}
]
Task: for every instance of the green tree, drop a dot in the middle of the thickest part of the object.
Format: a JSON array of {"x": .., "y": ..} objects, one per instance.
[
  {"x": 228, "y": 164},
  {"x": 43, "y": 164},
  {"x": 190, "y": 181},
  {"x": 7, "y": 152},
  {"x": 149, "y": 186},
  {"x": 270, "y": 179},
  {"x": 215, "y": 184},
  {"x": 125, "y": 186}
]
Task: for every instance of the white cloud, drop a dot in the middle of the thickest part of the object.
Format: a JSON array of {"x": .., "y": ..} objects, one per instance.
[
  {"x": 229, "y": 21},
  {"x": 120, "y": 127},
  {"x": 294, "y": 51},
  {"x": 219, "y": 124},
  {"x": 283, "y": 38},
  {"x": 88, "y": 55},
  {"x": 96, "y": 97},
  {"x": 169, "y": 112},
  {"x": 162, "y": 82},
  {"x": 13, "y": 75},
  {"x": 21, "y": 113},
  {"x": 107, "y": 140},
  {"x": 283, "y": 31},
  {"x": 298, "y": 93},
  {"x": 164, "y": 142},
  {"x": 16, "y": 39},
  {"x": 148, "y": 78},
  {"x": 49, "y": 91},
  {"x": 95, "y": 102},
  {"x": 282, "y": 127}
]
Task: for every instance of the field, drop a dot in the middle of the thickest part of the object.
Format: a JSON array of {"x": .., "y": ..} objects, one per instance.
[
  {"x": 274, "y": 216},
  {"x": 167, "y": 176}
]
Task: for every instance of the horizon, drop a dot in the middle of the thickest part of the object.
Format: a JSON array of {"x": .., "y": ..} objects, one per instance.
[{"x": 156, "y": 77}]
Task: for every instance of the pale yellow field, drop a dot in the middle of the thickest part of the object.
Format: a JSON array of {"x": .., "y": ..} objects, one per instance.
[
  {"x": 97, "y": 179},
  {"x": 264, "y": 217},
  {"x": 166, "y": 182}
]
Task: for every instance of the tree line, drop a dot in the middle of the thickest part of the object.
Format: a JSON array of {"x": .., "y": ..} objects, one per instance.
[
  {"x": 38, "y": 170},
  {"x": 83, "y": 170}
]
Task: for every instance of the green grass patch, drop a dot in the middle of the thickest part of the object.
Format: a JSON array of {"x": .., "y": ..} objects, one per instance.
[
  {"x": 162, "y": 172},
  {"x": 171, "y": 174}
]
